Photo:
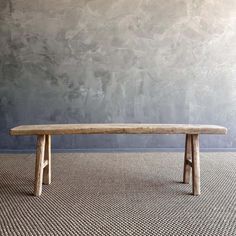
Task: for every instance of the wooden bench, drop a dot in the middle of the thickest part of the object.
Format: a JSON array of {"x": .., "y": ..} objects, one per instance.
[{"x": 44, "y": 132}]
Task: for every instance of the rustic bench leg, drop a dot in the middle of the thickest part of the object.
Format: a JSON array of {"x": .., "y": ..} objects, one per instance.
[
  {"x": 195, "y": 165},
  {"x": 39, "y": 165},
  {"x": 47, "y": 159},
  {"x": 187, "y": 158}
]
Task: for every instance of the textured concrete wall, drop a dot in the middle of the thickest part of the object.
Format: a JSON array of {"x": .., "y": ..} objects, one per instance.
[{"x": 76, "y": 61}]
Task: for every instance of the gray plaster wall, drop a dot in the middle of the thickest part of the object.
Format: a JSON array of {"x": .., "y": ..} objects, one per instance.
[{"x": 152, "y": 61}]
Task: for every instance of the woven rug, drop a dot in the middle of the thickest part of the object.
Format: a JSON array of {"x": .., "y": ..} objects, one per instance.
[{"x": 118, "y": 194}]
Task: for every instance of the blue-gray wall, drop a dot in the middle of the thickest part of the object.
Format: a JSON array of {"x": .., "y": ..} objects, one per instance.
[{"x": 82, "y": 61}]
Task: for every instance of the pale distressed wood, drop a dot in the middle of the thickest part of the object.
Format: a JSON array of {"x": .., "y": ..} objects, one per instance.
[
  {"x": 44, "y": 132},
  {"x": 47, "y": 169},
  {"x": 40, "y": 149},
  {"x": 117, "y": 129},
  {"x": 196, "y": 165},
  {"x": 187, "y": 158},
  {"x": 45, "y": 164},
  {"x": 188, "y": 162}
]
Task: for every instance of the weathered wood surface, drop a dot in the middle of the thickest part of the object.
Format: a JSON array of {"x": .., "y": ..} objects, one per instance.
[
  {"x": 39, "y": 165},
  {"x": 195, "y": 165},
  {"x": 44, "y": 132},
  {"x": 60, "y": 129},
  {"x": 187, "y": 158},
  {"x": 47, "y": 158}
]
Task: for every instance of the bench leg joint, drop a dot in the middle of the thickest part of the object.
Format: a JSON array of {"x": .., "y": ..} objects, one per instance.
[
  {"x": 40, "y": 149},
  {"x": 196, "y": 165},
  {"x": 43, "y": 163},
  {"x": 187, "y": 159},
  {"x": 47, "y": 170}
]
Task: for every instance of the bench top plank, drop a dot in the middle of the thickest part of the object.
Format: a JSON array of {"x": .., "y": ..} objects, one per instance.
[{"x": 134, "y": 128}]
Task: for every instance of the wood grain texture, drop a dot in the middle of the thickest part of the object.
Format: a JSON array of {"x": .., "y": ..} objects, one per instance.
[
  {"x": 59, "y": 129},
  {"x": 188, "y": 162},
  {"x": 195, "y": 165},
  {"x": 187, "y": 158},
  {"x": 45, "y": 163},
  {"x": 47, "y": 158},
  {"x": 40, "y": 149}
]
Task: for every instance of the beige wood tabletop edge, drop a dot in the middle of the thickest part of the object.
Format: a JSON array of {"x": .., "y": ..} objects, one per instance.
[{"x": 117, "y": 128}]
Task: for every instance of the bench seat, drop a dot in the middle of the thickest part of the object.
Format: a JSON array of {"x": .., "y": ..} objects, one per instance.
[{"x": 60, "y": 129}]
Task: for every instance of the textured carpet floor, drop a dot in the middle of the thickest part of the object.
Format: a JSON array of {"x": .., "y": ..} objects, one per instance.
[{"x": 118, "y": 194}]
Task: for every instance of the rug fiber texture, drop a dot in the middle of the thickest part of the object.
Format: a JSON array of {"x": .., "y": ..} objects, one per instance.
[{"x": 118, "y": 194}]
